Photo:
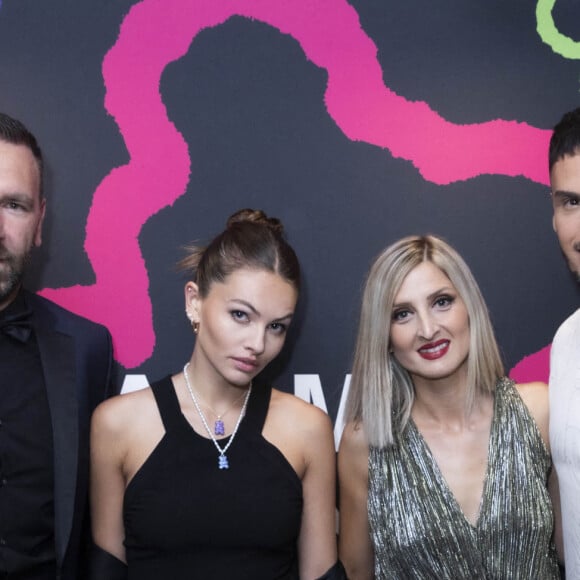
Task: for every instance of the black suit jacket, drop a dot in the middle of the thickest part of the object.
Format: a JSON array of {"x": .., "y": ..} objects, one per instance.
[{"x": 76, "y": 357}]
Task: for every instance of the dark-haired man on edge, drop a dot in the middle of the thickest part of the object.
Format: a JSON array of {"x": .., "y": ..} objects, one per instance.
[
  {"x": 55, "y": 367},
  {"x": 564, "y": 161}
]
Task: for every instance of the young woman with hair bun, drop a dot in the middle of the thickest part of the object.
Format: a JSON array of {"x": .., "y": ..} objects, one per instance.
[{"x": 208, "y": 473}]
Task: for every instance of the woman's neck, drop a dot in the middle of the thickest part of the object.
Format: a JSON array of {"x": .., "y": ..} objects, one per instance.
[
  {"x": 445, "y": 403},
  {"x": 212, "y": 388}
]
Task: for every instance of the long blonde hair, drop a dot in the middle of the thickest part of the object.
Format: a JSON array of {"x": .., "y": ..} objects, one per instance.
[{"x": 381, "y": 390}]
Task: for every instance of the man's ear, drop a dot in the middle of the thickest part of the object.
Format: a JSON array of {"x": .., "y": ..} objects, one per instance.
[{"x": 38, "y": 231}]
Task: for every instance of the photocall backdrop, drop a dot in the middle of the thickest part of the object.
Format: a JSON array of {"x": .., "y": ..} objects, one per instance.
[{"x": 355, "y": 122}]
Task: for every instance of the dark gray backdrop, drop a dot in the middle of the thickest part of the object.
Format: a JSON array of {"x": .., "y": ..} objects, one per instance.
[{"x": 250, "y": 106}]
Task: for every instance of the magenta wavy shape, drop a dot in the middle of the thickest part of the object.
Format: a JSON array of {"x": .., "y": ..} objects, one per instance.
[
  {"x": 157, "y": 32},
  {"x": 535, "y": 367}
]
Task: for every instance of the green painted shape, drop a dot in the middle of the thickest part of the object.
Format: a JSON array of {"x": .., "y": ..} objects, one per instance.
[{"x": 558, "y": 42}]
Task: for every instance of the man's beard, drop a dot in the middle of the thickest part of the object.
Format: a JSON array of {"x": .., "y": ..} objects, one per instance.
[{"x": 11, "y": 272}]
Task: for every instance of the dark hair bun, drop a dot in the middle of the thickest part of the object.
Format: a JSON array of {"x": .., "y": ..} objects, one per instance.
[{"x": 256, "y": 216}]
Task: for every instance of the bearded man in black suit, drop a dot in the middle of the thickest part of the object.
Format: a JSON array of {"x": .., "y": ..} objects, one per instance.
[{"x": 55, "y": 367}]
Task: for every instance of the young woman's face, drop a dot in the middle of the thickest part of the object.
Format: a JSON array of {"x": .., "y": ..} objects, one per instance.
[
  {"x": 429, "y": 333},
  {"x": 242, "y": 323}
]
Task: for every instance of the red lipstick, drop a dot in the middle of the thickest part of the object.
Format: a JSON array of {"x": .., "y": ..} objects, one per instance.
[{"x": 434, "y": 350}]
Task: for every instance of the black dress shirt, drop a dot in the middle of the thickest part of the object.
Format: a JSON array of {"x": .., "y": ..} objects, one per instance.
[{"x": 26, "y": 459}]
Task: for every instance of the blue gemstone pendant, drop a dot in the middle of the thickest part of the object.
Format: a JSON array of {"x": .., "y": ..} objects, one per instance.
[
  {"x": 223, "y": 462},
  {"x": 218, "y": 427}
]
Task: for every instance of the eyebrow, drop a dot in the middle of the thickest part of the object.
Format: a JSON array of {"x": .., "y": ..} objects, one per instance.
[
  {"x": 246, "y": 304},
  {"x": 16, "y": 196},
  {"x": 562, "y": 193},
  {"x": 442, "y": 290},
  {"x": 257, "y": 313}
]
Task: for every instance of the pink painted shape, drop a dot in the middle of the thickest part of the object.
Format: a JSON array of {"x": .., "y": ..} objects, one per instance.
[
  {"x": 157, "y": 32},
  {"x": 535, "y": 367}
]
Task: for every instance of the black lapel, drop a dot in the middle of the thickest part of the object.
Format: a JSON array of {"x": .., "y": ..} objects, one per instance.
[{"x": 57, "y": 353}]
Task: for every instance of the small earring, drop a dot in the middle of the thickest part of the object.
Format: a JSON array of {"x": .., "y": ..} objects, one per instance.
[{"x": 194, "y": 325}]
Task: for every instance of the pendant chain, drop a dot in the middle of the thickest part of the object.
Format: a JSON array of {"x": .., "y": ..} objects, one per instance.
[
  {"x": 222, "y": 459},
  {"x": 220, "y": 415},
  {"x": 219, "y": 427}
]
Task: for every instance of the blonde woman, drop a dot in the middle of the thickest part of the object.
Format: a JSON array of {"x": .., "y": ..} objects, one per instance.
[{"x": 444, "y": 462}]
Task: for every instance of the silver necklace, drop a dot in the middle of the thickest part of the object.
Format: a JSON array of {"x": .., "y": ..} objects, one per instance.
[
  {"x": 222, "y": 459},
  {"x": 218, "y": 426}
]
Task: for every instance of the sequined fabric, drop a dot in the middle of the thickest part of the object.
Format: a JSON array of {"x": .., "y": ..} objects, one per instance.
[{"x": 418, "y": 528}]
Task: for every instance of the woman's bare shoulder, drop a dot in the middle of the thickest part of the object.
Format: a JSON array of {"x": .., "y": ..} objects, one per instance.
[
  {"x": 535, "y": 397},
  {"x": 117, "y": 414},
  {"x": 295, "y": 411},
  {"x": 533, "y": 387}
]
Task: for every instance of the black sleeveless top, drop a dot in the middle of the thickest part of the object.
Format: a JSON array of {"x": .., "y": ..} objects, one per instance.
[{"x": 185, "y": 518}]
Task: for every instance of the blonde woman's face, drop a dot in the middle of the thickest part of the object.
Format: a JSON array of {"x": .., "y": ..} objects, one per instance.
[{"x": 429, "y": 331}]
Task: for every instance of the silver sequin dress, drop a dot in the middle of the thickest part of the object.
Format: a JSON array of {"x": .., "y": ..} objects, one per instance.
[{"x": 418, "y": 529}]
